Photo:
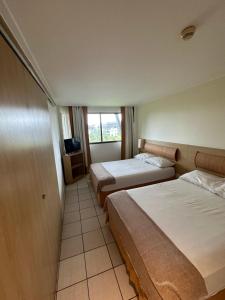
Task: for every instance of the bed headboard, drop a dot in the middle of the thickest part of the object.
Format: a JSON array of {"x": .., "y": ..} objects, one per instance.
[
  {"x": 210, "y": 162},
  {"x": 189, "y": 157},
  {"x": 164, "y": 151}
]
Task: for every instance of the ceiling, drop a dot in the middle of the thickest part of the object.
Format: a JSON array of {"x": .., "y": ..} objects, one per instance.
[{"x": 120, "y": 52}]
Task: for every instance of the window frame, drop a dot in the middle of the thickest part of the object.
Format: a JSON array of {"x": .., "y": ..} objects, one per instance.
[{"x": 104, "y": 113}]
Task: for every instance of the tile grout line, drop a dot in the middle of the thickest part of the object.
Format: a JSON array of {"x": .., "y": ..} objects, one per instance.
[
  {"x": 106, "y": 244},
  {"x": 85, "y": 265},
  {"x": 112, "y": 265},
  {"x": 84, "y": 253},
  {"x": 82, "y": 235},
  {"x": 85, "y": 259},
  {"x": 80, "y": 216},
  {"x": 86, "y": 279},
  {"x": 60, "y": 250}
]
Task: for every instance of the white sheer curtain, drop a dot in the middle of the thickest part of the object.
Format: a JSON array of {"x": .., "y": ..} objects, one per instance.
[
  {"x": 65, "y": 128},
  {"x": 78, "y": 124},
  {"x": 130, "y": 132}
]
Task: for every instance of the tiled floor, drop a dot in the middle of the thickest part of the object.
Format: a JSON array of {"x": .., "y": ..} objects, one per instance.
[{"x": 91, "y": 267}]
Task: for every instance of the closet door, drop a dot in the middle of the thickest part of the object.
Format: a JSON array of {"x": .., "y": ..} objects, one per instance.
[{"x": 29, "y": 200}]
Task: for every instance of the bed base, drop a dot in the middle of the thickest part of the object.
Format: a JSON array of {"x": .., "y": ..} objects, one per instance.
[{"x": 133, "y": 278}]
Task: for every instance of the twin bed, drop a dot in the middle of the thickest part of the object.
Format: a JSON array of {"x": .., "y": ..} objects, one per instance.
[
  {"x": 109, "y": 177},
  {"x": 172, "y": 234}
]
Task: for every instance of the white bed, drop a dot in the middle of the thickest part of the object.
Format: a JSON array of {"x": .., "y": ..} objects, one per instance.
[
  {"x": 131, "y": 172},
  {"x": 108, "y": 177},
  {"x": 194, "y": 220}
]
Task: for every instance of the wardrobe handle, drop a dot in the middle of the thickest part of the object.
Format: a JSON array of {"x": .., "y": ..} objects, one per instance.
[{"x": 43, "y": 196}]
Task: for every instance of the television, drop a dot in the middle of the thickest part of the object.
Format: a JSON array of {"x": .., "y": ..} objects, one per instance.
[{"x": 71, "y": 145}]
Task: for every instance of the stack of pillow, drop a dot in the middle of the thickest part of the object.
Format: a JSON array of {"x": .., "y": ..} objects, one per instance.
[{"x": 211, "y": 183}]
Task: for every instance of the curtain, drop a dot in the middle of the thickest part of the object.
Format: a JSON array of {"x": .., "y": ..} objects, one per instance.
[
  {"x": 80, "y": 130},
  {"x": 123, "y": 134},
  {"x": 129, "y": 139}
]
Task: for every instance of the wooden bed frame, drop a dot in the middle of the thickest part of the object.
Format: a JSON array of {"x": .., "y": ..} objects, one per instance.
[{"x": 212, "y": 160}]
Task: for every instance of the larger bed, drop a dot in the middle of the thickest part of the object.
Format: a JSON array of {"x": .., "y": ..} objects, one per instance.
[
  {"x": 172, "y": 237},
  {"x": 108, "y": 177}
]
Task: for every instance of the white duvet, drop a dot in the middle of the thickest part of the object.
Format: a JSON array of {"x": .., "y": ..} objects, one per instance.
[
  {"x": 194, "y": 220},
  {"x": 134, "y": 171}
]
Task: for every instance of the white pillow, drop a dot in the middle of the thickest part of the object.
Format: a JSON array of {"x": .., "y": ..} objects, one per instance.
[
  {"x": 220, "y": 190},
  {"x": 212, "y": 183},
  {"x": 143, "y": 156},
  {"x": 160, "y": 162}
]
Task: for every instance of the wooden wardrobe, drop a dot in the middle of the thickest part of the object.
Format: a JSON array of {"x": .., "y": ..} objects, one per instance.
[{"x": 30, "y": 219}]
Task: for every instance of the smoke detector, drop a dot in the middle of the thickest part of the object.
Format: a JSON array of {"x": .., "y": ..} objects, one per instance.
[{"x": 188, "y": 32}]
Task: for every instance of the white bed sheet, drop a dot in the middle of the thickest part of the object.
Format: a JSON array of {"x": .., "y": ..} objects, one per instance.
[
  {"x": 133, "y": 171},
  {"x": 194, "y": 220}
]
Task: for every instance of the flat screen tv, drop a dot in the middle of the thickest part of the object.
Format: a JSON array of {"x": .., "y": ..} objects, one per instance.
[{"x": 71, "y": 145}]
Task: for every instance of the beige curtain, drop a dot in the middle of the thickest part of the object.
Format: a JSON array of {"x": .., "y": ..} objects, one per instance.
[
  {"x": 130, "y": 132},
  {"x": 80, "y": 129},
  {"x": 123, "y": 135}
]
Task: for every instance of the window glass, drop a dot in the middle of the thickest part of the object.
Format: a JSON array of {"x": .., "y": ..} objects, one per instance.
[
  {"x": 103, "y": 127},
  {"x": 94, "y": 129},
  {"x": 111, "y": 130}
]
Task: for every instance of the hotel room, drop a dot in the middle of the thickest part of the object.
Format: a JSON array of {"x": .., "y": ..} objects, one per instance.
[{"x": 112, "y": 129}]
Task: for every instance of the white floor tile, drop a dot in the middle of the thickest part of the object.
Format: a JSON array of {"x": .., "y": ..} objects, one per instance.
[
  {"x": 102, "y": 219},
  {"x": 86, "y": 203},
  {"x": 87, "y": 213},
  {"x": 107, "y": 234},
  {"x": 114, "y": 254},
  {"x": 93, "y": 239},
  {"x": 72, "y": 207},
  {"x": 104, "y": 287},
  {"x": 97, "y": 261},
  {"x": 70, "y": 230},
  {"x": 71, "y": 270},
  {"x": 72, "y": 246},
  {"x": 90, "y": 224},
  {"x": 70, "y": 217},
  {"x": 78, "y": 291},
  {"x": 85, "y": 196},
  {"x": 127, "y": 290}
]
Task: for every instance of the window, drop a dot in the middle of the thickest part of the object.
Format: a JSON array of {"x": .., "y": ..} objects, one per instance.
[{"x": 104, "y": 127}]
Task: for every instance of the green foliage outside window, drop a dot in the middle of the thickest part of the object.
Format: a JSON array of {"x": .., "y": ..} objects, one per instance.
[{"x": 104, "y": 127}]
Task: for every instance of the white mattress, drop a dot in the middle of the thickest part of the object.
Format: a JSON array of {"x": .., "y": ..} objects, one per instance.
[
  {"x": 130, "y": 172},
  {"x": 194, "y": 220}
]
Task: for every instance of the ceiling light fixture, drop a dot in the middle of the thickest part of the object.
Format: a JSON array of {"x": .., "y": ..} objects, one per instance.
[{"x": 188, "y": 32}]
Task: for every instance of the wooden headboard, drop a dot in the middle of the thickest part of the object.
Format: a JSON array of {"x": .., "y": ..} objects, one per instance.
[
  {"x": 188, "y": 160},
  {"x": 161, "y": 150},
  {"x": 210, "y": 162}
]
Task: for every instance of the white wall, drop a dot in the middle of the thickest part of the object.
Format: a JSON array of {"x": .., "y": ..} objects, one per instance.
[
  {"x": 57, "y": 145},
  {"x": 105, "y": 151},
  {"x": 196, "y": 117}
]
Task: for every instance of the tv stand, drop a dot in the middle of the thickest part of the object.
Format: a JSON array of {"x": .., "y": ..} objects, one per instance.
[{"x": 74, "y": 167}]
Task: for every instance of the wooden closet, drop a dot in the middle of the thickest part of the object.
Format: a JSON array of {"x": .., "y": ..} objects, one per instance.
[{"x": 30, "y": 219}]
